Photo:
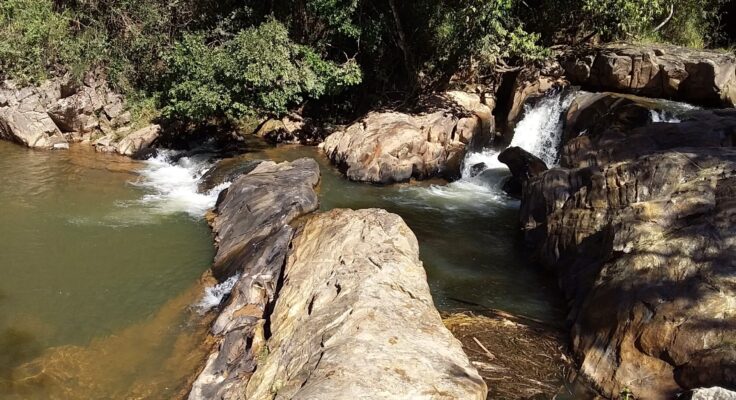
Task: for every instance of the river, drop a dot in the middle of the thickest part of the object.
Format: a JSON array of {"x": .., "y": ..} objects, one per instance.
[{"x": 101, "y": 258}]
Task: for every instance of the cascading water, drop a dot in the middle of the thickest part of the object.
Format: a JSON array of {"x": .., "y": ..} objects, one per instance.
[
  {"x": 540, "y": 131},
  {"x": 482, "y": 175},
  {"x": 173, "y": 186},
  {"x": 213, "y": 295}
]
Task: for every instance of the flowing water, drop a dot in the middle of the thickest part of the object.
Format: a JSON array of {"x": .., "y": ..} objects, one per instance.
[
  {"x": 100, "y": 258},
  {"x": 91, "y": 265}
]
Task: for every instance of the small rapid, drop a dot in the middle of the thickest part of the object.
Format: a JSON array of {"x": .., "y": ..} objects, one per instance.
[
  {"x": 172, "y": 184},
  {"x": 482, "y": 175}
]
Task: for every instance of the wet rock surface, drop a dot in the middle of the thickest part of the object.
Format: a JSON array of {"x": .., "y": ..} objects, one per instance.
[
  {"x": 523, "y": 166},
  {"x": 226, "y": 170},
  {"x": 252, "y": 234},
  {"x": 641, "y": 232},
  {"x": 696, "y": 76},
  {"x": 387, "y": 147}
]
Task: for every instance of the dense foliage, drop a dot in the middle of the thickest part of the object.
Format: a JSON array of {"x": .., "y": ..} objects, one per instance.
[
  {"x": 230, "y": 59},
  {"x": 259, "y": 71}
]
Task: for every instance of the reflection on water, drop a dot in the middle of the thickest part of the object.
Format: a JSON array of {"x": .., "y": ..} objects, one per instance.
[
  {"x": 152, "y": 359},
  {"x": 95, "y": 285}
]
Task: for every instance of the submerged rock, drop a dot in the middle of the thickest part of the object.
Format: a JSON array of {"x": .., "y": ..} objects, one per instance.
[
  {"x": 642, "y": 234},
  {"x": 351, "y": 317},
  {"x": 387, "y": 147},
  {"x": 226, "y": 170},
  {"x": 696, "y": 76}
]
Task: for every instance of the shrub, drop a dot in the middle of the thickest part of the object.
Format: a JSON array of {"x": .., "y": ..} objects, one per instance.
[
  {"x": 260, "y": 71},
  {"x": 35, "y": 39},
  {"x": 691, "y": 23}
]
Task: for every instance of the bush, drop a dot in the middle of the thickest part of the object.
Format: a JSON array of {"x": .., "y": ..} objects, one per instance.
[
  {"x": 36, "y": 40},
  {"x": 693, "y": 23},
  {"x": 258, "y": 72}
]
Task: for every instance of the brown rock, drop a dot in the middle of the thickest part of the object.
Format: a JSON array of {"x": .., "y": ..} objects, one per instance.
[
  {"x": 387, "y": 147},
  {"x": 643, "y": 237},
  {"x": 355, "y": 319},
  {"x": 138, "y": 140},
  {"x": 77, "y": 112},
  {"x": 696, "y": 76}
]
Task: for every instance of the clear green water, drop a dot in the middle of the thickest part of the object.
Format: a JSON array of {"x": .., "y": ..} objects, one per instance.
[
  {"x": 81, "y": 262},
  {"x": 99, "y": 274},
  {"x": 468, "y": 239}
]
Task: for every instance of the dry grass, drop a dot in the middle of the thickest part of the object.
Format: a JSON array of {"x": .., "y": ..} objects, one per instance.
[{"x": 518, "y": 359}]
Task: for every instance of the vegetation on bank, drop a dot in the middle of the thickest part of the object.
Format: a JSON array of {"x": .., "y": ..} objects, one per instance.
[{"x": 211, "y": 60}]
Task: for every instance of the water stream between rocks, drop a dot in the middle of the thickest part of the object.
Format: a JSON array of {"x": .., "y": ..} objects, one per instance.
[{"x": 100, "y": 258}]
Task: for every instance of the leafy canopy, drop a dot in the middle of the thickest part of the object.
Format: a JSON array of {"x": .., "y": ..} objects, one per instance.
[{"x": 259, "y": 71}]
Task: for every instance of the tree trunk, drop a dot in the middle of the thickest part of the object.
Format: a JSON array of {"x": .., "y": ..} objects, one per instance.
[{"x": 404, "y": 46}]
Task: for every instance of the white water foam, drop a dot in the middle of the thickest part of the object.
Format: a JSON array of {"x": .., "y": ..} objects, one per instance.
[
  {"x": 482, "y": 175},
  {"x": 540, "y": 131},
  {"x": 663, "y": 116},
  {"x": 213, "y": 295},
  {"x": 173, "y": 186}
]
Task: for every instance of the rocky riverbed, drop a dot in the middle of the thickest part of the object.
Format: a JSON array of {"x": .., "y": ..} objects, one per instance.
[{"x": 628, "y": 201}]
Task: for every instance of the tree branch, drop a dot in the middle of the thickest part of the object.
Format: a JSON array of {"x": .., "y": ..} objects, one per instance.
[{"x": 666, "y": 20}]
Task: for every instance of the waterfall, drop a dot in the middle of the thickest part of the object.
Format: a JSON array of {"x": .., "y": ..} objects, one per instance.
[
  {"x": 213, "y": 295},
  {"x": 540, "y": 131}
]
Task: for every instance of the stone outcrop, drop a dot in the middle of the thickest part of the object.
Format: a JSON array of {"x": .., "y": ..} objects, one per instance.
[
  {"x": 60, "y": 111},
  {"x": 695, "y": 76},
  {"x": 355, "y": 319},
  {"x": 338, "y": 309},
  {"x": 23, "y": 117},
  {"x": 641, "y": 232},
  {"x": 138, "y": 140},
  {"x": 606, "y": 127},
  {"x": 387, "y": 147}
]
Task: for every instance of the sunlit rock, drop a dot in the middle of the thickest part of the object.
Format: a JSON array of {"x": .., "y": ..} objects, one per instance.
[{"x": 387, "y": 147}]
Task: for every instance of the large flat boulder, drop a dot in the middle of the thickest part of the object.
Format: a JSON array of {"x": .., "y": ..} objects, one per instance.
[
  {"x": 337, "y": 308},
  {"x": 387, "y": 147},
  {"x": 641, "y": 232},
  {"x": 696, "y": 76},
  {"x": 355, "y": 319}
]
